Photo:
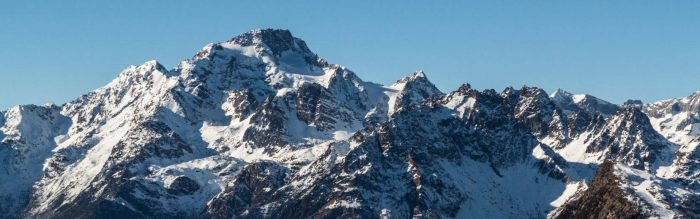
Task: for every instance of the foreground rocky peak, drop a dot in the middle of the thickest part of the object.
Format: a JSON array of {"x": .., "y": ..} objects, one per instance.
[
  {"x": 603, "y": 199},
  {"x": 261, "y": 127}
]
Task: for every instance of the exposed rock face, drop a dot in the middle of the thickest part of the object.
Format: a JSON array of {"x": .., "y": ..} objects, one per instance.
[
  {"x": 261, "y": 127},
  {"x": 603, "y": 199},
  {"x": 183, "y": 185},
  {"x": 629, "y": 137},
  {"x": 249, "y": 193}
]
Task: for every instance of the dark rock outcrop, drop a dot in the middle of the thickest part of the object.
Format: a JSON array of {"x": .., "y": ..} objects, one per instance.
[{"x": 603, "y": 199}]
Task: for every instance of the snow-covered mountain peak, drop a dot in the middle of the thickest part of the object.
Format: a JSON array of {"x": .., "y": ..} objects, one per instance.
[
  {"x": 418, "y": 76},
  {"x": 259, "y": 126},
  {"x": 146, "y": 67},
  {"x": 632, "y": 115},
  {"x": 533, "y": 91},
  {"x": 559, "y": 94},
  {"x": 572, "y": 103},
  {"x": 629, "y": 137},
  {"x": 272, "y": 45},
  {"x": 145, "y": 71},
  {"x": 277, "y": 40},
  {"x": 689, "y": 104},
  {"x": 410, "y": 90},
  {"x": 272, "y": 58},
  {"x": 677, "y": 119}
]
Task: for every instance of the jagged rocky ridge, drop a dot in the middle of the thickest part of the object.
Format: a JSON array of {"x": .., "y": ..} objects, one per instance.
[{"x": 261, "y": 127}]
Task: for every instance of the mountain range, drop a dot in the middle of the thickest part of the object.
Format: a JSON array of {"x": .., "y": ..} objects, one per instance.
[{"x": 259, "y": 126}]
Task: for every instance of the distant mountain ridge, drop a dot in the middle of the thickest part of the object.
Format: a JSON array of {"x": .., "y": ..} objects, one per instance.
[{"x": 259, "y": 126}]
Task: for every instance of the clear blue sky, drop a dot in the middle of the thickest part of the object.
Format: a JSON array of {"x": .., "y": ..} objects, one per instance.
[{"x": 54, "y": 51}]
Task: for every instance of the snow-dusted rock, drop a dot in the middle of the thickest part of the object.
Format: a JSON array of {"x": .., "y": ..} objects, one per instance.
[
  {"x": 570, "y": 103},
  {"x": 261, "y": 127}
]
